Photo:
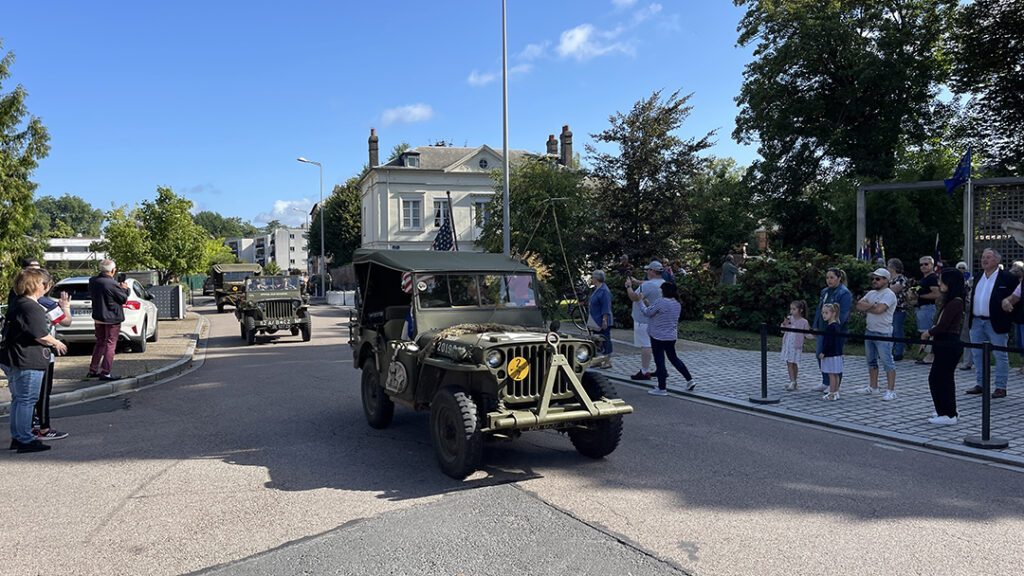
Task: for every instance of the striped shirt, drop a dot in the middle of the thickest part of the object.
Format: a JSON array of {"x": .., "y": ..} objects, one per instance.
[{"x": 663, "y": 318}]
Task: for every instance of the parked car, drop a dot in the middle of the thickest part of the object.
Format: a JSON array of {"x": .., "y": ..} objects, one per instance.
[{"x": 140, "y": 315}]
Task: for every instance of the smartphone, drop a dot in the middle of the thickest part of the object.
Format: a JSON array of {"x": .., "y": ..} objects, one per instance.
[{"x": 122, "y": 277}]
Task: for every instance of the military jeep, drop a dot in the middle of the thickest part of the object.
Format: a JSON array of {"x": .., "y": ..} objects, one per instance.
[
  {"x": 229, "y": 282},
  {"x": 270, "y": 304},
  {"x": 461, "y": 334}
]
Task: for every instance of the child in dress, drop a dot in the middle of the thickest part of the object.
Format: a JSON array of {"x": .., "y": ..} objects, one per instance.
[
  {"x": 793, "y": 342},
  {"x": 831, "y": 351}
]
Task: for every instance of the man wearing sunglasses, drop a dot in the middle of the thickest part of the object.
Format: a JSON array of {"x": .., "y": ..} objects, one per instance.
[{"x": 879, "y": 305}]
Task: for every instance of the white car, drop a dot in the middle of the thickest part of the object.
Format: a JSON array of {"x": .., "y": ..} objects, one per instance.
[{"x": 140, "y": 315}]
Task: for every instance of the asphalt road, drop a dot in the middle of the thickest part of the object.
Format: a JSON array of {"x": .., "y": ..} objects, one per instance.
[{"x": 260, "y": 462}]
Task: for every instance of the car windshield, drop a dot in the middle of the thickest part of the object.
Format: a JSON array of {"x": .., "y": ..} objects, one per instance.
[
  {"x": 476, "y": 290},
  {"x": 271, "y": 283},
  {"x": 236, "y": 276}
]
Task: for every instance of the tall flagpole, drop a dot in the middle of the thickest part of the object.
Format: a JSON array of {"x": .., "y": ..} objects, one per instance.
[
  {"x": 504, "y": 115},
  {"x": 969, "y": 224}
]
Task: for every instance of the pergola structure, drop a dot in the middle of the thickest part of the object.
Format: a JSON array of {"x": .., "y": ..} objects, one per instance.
[{"x": 988, "y": 202}]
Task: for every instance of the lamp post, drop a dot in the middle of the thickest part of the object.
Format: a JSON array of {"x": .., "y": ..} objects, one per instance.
[
  {"x": 323, "y": 258},
  {"x": 307, "y": 236}
]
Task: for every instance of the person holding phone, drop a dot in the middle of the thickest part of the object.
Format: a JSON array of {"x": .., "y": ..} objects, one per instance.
[{"x": 108, "y": 296}]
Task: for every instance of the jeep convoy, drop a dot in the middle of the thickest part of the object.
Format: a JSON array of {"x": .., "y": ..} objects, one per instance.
[{"x": 461, "y": 334}]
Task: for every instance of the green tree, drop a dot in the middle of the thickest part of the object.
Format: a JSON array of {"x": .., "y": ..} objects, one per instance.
[
  {"x": 987, "y": 53},
  {"x": 272, "y": 269},
  {"x": 76, "y": 215},
  {"x": 342, "y": 227},
  {"x": 126, "y": 240},
  {"x": 642, "y": 192},
  {"x": 176, "y": 241},
  {"x": 539, "y": 193},
  {"x": 23, "y": 142},
  {"x": 215, "y": 252},
  {"x": 721, "y": 209},
  {"x": 270, "y": 227},
  {"x": 218, "y": 226}
]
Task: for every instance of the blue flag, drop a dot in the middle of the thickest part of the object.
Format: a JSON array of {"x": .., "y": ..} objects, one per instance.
[{"x": 961, "y": 175}]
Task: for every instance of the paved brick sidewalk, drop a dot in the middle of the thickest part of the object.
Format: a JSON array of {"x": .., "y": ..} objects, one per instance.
[{"x": 733, "y": 376}]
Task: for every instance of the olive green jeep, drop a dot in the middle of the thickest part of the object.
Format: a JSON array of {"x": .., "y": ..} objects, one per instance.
[
  {"x": 461, "y": 334},
  {"x": 270, "y": 304},
  {"x": 229, "y": 282}
]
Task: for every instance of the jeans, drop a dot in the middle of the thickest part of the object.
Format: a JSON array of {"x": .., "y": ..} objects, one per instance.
[
  {"x": 606, "y": 346},
  {"x": 1018, "y": 337},
  {"x": 661, "y": 348},
  {"x": 925, "y": 317},
  {"x": 24, "y": 386},
  {"x": 982, "y": 331},
  {"x": 897, "y": 332},
  {"x": 878, "y": 349}
]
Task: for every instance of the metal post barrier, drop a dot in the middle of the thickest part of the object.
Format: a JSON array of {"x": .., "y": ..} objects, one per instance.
[
  {"x": 985, "y": 441},
  {"x": 764, "y": 398}
]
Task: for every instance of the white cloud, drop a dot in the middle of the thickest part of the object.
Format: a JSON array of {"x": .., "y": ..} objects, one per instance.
[
  {"x": 623, "y": 3},
  {"x": 585, "y": 42},
  {"x": 533, "y": 51},
  {"x": 519, "y": 69},
  {"x": 291, "y": 213},
  {"x": 407, "y": 114},
  {"x": 646, "y": 13},
  {"x": 481, "y": 79}
]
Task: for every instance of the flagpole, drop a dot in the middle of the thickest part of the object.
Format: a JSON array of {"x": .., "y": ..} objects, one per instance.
[
  {"x": 451, "y": 219},
  {"x": 969, "y": 224}
]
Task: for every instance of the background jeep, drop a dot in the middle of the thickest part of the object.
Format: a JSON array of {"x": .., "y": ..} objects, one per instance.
[
  {"x": 229, "y": 282},
  {"x": 272, "y": 303},
  {"x": 461, "y": 335}
]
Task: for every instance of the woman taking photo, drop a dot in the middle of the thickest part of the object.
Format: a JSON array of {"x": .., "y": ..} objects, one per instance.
[
  {"x": 25, "y": 355},
  {"x": 947, "y": 348}
]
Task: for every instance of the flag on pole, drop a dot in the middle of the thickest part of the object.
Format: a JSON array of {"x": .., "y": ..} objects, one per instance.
[
  {"x": 937, "y": 256},
  {"x": 961, "y": 174},
  {"x": 443, "y": 241}
]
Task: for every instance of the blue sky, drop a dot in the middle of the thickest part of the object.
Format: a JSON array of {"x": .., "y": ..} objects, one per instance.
[{"x": 218, "y": 99}]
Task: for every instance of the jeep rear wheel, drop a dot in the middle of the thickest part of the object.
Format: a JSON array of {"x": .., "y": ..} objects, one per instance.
[
  {"x": 600, "y": 437},
  {"x": 241, "y": 325},
  {"x": 455, "y": 432},
  {"x": 377, "y": 405}
]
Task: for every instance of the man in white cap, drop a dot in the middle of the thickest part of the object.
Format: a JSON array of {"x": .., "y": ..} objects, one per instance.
[
  {"x": 651, "y": 290},
  {"x": 879, "y": 305}
]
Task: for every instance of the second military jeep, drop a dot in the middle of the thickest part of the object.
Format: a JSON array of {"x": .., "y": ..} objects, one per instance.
[
  {"x": 461, "y": 334},
  {"x": 270, "y": 304},
  {"x": 229, "y": 282}
]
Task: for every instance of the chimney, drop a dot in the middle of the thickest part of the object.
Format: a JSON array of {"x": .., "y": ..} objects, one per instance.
[
  {"x": 373, "y": 147},
  {"x": 566, "y": 138},
  {"x": 552, "y": 145}
]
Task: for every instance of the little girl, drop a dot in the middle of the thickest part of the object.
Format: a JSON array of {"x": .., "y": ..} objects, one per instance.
[
  {"x": 793, "y": 342},
  {"x": 831, "y": 351}
]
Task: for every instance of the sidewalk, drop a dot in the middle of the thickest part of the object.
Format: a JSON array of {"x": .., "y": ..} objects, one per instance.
[{"x": 732, "y": 376}]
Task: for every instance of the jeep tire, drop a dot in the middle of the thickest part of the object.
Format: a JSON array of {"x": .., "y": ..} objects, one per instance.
[
  {"x": 600, "y": 437},
  {"x": 250, "y": 330},
  {"x": 455, "y": 432},
  {"x": 307, "y": 330},
  {"x": 377, "y": 405}
]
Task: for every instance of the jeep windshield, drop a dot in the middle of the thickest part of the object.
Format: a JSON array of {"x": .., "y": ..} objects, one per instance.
[
  {"x": 236, "y": 276},
  {"x": 476, "y": 291},
  {"x": 264, "y": 284}
]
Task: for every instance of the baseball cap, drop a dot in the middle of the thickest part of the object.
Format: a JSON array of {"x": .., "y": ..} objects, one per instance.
[
  {"x": 882, "y": 272},
  {"x": 654, "y": 265}
]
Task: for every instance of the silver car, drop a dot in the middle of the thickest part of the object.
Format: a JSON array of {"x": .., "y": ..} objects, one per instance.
[{"x": 140, "y": 315}]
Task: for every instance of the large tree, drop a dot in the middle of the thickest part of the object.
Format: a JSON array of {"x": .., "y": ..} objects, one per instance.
[
  {"x": 722, "y": 213},
  {"x": 987, "y": 53},
  {"x": 220, "y": 227},
  {"x": 56, "y": 217},
  {"x": 23, "y": 142},
  {"x": 540, "y": 193},
  {"x": 642, "y": 190},
  {"x": 126, "y": 241},
  {"x": 342, "y": 226}
]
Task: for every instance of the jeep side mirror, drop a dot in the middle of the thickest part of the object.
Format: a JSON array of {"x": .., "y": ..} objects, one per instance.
[{"x": 555, "y": 325}]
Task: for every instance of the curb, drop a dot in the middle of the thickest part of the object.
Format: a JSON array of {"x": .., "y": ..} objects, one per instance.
[
  {"x": 867, "y": 431},
  {"x": 187, "y": 363}
]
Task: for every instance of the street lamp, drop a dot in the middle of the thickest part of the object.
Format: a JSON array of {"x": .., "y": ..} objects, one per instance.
[
  {"x": 323, "y": 258},
  {"x": 307, "y": 236}
]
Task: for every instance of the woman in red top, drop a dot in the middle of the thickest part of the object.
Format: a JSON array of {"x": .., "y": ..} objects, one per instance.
[{"x": 945, "y": 332}]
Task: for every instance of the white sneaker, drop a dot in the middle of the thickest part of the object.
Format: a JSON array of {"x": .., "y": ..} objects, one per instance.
[
  {"x": 890, "y": 395},
  {"x": 866, "y": 390},
  {"x": 831, "y": 397},
  {"x": 943, "y": 420},
  {"x": 658, "y": 392},
  {"x": 690, "y": 385},
  {"x": 820, "y": 388}
]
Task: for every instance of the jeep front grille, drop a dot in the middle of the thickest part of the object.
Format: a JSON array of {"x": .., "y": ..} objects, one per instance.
[
  {"x": 538, "y": 356},
  {"x": 278, "y": 309}
]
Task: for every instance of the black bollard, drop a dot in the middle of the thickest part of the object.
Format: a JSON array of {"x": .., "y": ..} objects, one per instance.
[
  {"x": 764, "y": 398},
  {"x": 985, "y": 440}
]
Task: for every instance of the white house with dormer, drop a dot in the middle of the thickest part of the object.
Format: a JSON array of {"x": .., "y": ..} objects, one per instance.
[{"x": 405, "y": 201}]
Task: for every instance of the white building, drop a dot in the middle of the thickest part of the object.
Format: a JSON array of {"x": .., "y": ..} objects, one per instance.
[
  {"x": 405, "y": 201},
  {"x": 284, "y": 246},
  {"x": 74, "y": 252}
]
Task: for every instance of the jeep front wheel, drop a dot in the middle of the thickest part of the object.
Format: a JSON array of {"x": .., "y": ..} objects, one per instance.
[
  {"x": 377, "y": 405},
  {"x": 307, "y": 331},
  {"x": 250, "y": 330},
  {"x": 455, "y": 432},
  {"x": 601, "y": 437}
]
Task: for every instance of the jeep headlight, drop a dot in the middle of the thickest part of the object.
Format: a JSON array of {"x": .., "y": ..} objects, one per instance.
[
  {"x": 494, "y": 358},
  {"x": 582, "y": 354},
  {"x": 262, "y": 305},
  {"x": 295, "y": 304}
]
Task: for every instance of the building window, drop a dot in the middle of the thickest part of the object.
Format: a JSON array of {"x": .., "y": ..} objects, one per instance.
[
  {"x": 291, "y": 248},
  {"x": 292, "y": 236},
  {"x": 412, "y": 160},
  {"x": 483, "y": 163},
  {"x": 440, "y": 212},
  {"x": 412, "y": 210},
  {"x": 480, "y": 208}
]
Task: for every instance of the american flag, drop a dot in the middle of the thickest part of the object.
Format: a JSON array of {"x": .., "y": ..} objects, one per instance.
[
  {"x": 407, "y": 281},
  {"x": 443, "y": 240}
]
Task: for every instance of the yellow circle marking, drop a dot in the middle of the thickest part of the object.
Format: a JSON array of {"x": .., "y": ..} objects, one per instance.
[{"x": 518, "y": 368}]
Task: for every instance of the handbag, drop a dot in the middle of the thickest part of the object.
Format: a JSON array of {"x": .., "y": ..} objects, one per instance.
[{"x": 592, "y": 324}]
